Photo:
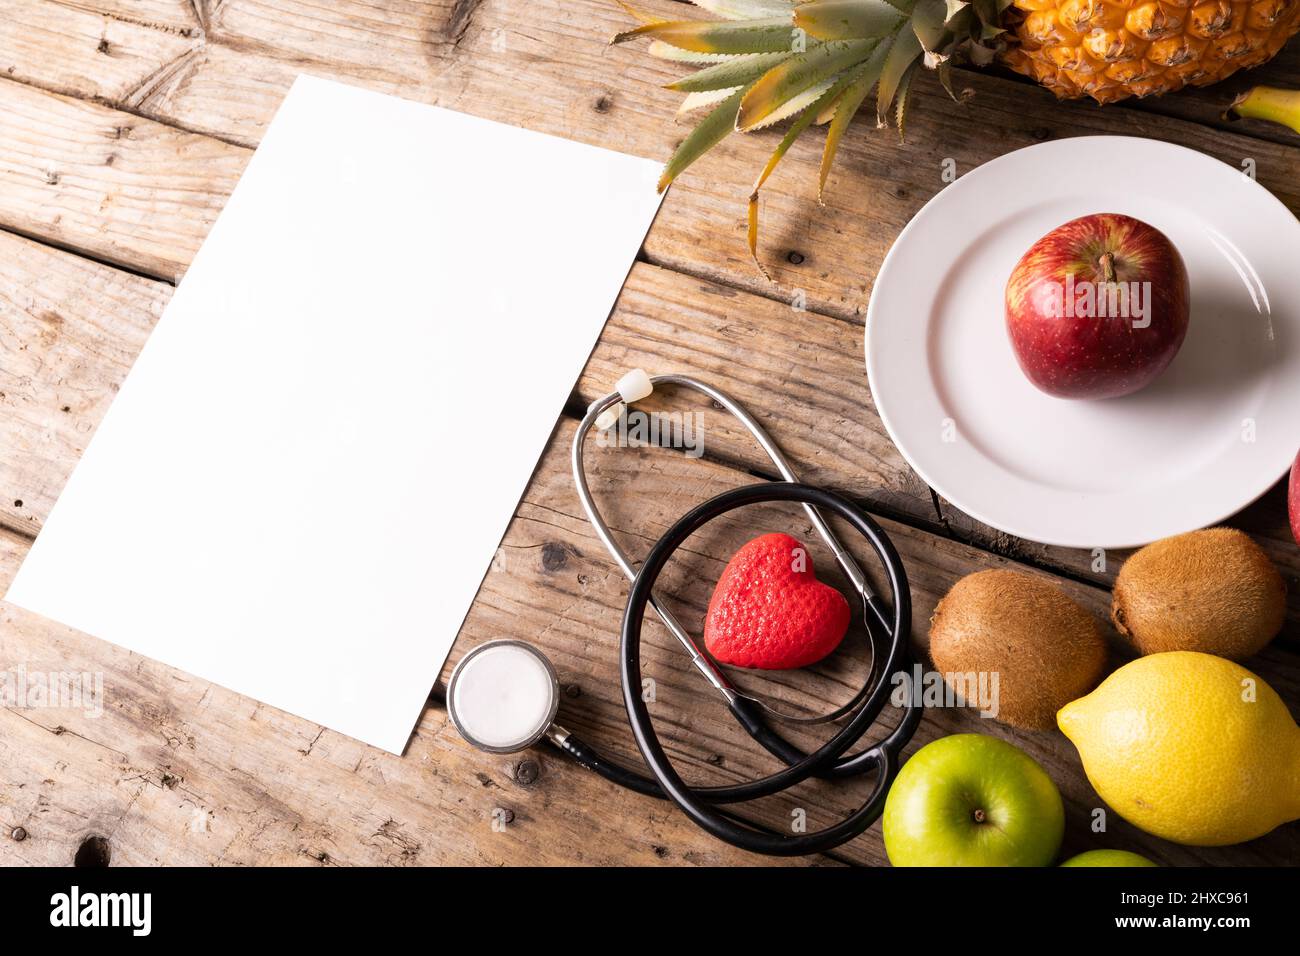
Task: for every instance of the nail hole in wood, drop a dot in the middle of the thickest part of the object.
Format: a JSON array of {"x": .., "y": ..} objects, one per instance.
[{"x": 94, "y": 853}]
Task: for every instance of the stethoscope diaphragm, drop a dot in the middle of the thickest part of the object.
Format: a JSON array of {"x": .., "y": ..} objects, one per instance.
[{"x": 503, "y": 695}]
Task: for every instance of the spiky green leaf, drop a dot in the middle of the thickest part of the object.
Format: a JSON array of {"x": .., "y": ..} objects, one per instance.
[
  {"x": 697, "y": 101},
  {"x": 804, "y": 120},
  {"x": 793, "y": 106},
  {"x": 945, "y": 80},
  {"x": 905, "y": 51},
  {"x": 927, "y": 20},
  {"x": 772, "y": 35},
  {"x": 847, "y": 108},
  {"x": 795, "y": 75},
  {"x": 847, "y": 19},
  {"x": 712, "y": 130},
  {"x": 900, "y": 108},
  {"x": 734, "y": 71},
  {"x": 664, "y": 51},
  {"x": 954, "y": 7}
]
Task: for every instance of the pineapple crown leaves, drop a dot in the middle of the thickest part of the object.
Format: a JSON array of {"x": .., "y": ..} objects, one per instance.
[{"x": 813, "y": 62}]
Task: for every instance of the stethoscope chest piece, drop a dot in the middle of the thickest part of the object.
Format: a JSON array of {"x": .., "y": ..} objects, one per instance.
[{"x": 502, "y": 696}]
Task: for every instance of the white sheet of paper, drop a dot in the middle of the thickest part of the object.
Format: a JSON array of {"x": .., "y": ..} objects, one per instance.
[{"x": 307, "y": 473}]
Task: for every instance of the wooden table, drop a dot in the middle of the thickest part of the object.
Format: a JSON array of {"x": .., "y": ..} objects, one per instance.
[{"x": 124, "y": 125}]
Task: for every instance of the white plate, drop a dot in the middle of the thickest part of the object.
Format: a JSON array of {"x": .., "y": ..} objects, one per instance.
[{"x": 1212, "y": 434}]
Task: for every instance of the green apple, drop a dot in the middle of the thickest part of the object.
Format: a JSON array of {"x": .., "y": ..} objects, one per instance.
[
  {"x": 1108, "y": 858},
  {"x": 973, "y": 800}
]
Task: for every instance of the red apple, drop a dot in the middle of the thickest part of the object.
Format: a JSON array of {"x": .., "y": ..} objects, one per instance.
[
  {"x": 1098, "y": 307},
  {"x": 1294, "y": 499}
]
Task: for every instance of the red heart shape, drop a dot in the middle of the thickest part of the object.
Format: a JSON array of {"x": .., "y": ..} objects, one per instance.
[{"x": 769, "y": 610}]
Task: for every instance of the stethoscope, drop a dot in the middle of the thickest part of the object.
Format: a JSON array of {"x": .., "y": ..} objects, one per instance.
[{"x": 503, "y": 696}]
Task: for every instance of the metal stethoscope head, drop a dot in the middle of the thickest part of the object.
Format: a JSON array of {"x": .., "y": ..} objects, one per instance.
[{"x": 503, "y": 696}]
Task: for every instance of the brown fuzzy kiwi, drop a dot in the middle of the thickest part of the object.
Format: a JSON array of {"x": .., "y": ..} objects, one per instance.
[
  {"x": 1045, "y": 648},
  {"x": 1213, "y": 591}
]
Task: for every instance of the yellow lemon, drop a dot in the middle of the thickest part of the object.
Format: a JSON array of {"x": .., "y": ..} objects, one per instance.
[{"x": 1190, "y": 747}]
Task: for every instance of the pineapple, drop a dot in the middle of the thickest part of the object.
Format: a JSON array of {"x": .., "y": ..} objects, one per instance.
[
  {"x": 761, "y": 62},
  {"x": 1112, "y": 50}
]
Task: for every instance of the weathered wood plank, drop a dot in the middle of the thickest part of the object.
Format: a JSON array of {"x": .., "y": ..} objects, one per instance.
[
  {"x": 556, "y": 73},
  {"x": 223, "y": 78},
  {"x": 233, "y": 93},
  {"x": 69, "y": 330},
  {"x": 829, "y": 253},
  {"x": 73, "y": 327},
  {"x": 172, "y": 16},
  {"x": 800, "y": 372},
  {"x": 546, "y": 65},
  {"x": 175, "y": 771},
  {"x": 399, "y": 36},
  {"x": 553, "y": 584},
  {"x": 69, "y": 50},
  {"x": 664, "y": 320},
  {"x": 126, "y": 190},
  {"x": 180, "y": 772},
  {"x": 302, "y": 24}
]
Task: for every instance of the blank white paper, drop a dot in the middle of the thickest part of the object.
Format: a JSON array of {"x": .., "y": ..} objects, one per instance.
[{"x": 308, "y": 470}]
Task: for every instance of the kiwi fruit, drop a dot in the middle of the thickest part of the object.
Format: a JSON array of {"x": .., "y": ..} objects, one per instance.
[
  {"x": 1213, "y": 591},
  {"x": 1045, "y": 648}
]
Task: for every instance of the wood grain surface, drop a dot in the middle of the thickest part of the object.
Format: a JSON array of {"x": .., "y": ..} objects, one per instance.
[{"x": 124, "y": 126}]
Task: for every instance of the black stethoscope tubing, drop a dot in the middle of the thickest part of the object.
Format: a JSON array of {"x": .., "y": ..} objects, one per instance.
[{"x": 829, "y": 760}]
